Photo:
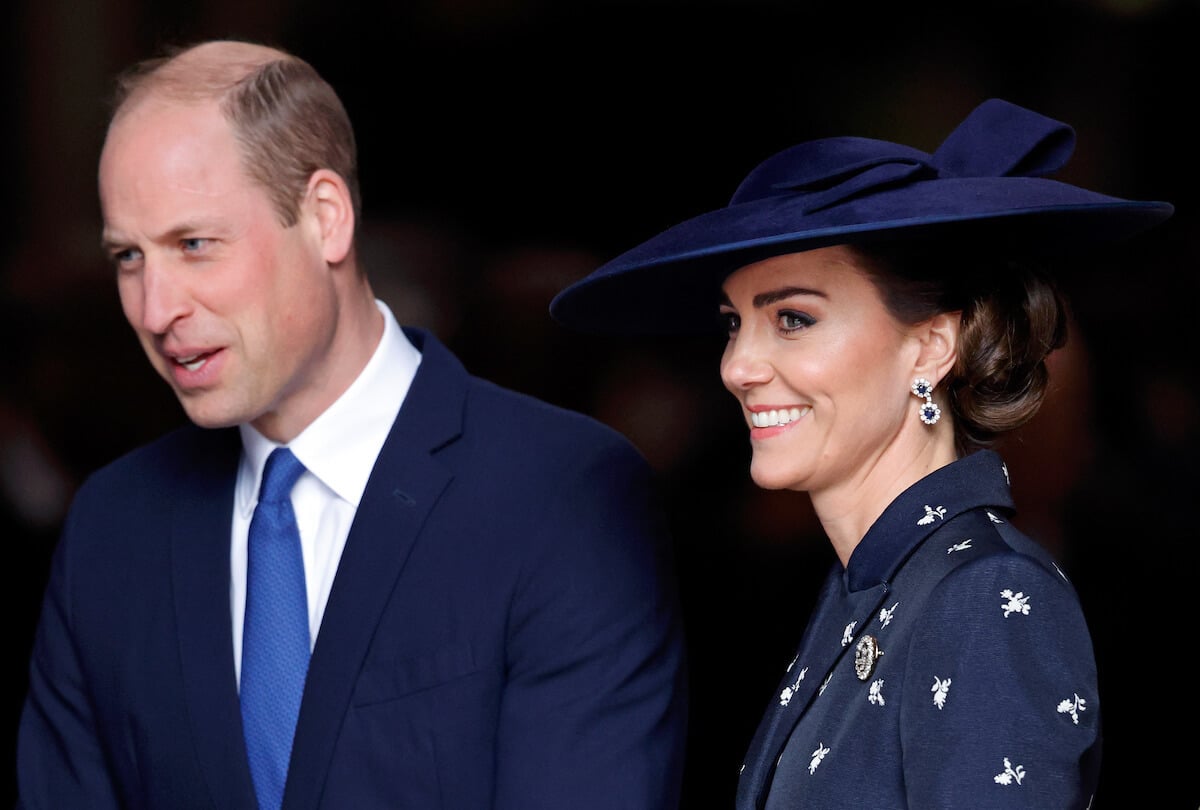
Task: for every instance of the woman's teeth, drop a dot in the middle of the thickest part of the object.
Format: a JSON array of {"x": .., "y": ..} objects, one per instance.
[{"x": 781, "y": 416}]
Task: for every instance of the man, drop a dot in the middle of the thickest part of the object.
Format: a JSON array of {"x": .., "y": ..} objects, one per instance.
[{"x": 491, "y": 621}]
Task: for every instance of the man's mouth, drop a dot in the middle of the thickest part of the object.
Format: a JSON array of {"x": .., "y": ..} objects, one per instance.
[{"x": 193, "y": 361}]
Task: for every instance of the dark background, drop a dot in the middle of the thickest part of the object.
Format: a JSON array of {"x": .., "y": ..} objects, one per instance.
[{"x": 507, "y": 148}]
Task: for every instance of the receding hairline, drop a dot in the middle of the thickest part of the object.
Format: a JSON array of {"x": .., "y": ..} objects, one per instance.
[{"x": 202, "y": 72}]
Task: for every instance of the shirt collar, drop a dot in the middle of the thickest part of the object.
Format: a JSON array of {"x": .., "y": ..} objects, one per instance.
[{"x": 340, "y": 446}]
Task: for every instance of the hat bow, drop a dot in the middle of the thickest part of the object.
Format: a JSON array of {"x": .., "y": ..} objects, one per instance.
[{"x": 998, "y": 139}]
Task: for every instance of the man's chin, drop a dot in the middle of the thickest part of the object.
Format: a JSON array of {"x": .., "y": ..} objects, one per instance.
[{"x": 206, "y": 416}]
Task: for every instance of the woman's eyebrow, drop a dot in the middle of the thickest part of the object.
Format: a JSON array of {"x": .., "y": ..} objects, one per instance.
[{"x": 769, "y": 297}]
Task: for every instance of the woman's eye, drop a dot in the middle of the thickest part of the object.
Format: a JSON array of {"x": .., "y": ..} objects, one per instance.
[
  {"x": 792, "y": 321},
  {"x": 729, "y": 321}
]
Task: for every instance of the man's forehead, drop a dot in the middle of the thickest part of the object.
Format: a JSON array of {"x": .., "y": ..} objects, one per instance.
[
  {"x": 158, "y": 128},
  {"x": 160, "y": 104},
  {"x": 170, "y": 153}
]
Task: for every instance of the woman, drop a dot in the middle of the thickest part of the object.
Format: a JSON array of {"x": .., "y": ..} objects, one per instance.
[{"x": 947, "y": 662}]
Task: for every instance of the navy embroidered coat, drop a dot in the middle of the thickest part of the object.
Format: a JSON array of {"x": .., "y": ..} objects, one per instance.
[{"x": 948, "y": 666}]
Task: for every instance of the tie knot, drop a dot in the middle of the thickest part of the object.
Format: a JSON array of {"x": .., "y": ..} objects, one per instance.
[{"x": 279, "y": 475}]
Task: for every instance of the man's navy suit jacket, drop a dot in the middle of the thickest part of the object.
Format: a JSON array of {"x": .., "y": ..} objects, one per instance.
[{"x": 502, "y": 632}]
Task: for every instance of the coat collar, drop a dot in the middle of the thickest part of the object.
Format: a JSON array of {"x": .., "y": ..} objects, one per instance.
[{"x": 980, "y": 479}]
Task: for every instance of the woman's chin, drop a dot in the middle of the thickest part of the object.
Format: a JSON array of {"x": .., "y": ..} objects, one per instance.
[{"x": 771, "y": 477}]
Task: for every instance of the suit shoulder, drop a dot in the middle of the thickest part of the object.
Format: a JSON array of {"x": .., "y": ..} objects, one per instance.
[
  {"x": 532, "y": 416},
  {"x": 157, "y": 463},
  {"x": 496, "y": 418}
]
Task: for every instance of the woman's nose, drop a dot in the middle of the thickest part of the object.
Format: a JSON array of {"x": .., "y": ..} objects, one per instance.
[{"x": 744, "y": 364}]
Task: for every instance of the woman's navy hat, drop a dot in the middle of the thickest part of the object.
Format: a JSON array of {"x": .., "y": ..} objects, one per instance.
[{"x": 985, "y": 187}]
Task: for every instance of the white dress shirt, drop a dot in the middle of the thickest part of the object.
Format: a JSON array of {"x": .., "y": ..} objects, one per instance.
[{"x": 338, "y": 450}]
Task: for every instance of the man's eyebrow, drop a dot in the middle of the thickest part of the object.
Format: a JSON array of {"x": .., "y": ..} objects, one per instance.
[{"x": 109, "y": 241}]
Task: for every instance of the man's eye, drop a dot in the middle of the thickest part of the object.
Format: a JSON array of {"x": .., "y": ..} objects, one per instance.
[
  {"x": 193, "y": 244},
  {"x": 123, "y": 258}
]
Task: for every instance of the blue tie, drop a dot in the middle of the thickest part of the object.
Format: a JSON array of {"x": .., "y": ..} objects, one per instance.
[{"x": 275, "y": 642}]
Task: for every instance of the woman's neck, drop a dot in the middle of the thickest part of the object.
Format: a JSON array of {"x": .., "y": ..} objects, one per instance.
[{"x": 848, "y": 509}]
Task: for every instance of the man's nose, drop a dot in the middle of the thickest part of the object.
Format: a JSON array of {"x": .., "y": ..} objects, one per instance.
[{"x": 165, "y": 297}]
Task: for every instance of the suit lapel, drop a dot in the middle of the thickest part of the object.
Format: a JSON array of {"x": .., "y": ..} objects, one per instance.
[
  {"x": 404, "y": 486},
  {"x": 200, "y": 575}
]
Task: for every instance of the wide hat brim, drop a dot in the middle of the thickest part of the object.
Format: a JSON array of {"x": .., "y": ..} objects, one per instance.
[{"x": 982, "y": 189}]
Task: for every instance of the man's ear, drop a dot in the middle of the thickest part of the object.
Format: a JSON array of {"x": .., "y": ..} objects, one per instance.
[
  {"x": 331, "y": 205},
  {"x": 939, "y": 345}
]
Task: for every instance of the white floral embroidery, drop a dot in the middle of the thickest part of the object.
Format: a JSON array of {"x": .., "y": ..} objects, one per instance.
[
  {"x": 993, "y": 518},
  {"x": 1010, "y": 774},
  {"x": 940, "y": 689},
  {"x": 1073, "y": 707},
  {"x": 1004, "y": 468},
  {"x": 785, "y": 697},
  {"x": 794, "y": 660},
  {"x": 931, "y": 515},
  {"x": 741, "y": 769},
  {"x": 848, "y": 633},
  {"x": 1015, "y": 603},
  {"x": 876, "y": 694},
  {"x": 817, "y": 756},
  {"x": 1060, "y": 571},
  {"x": 963, "y": 546},
  {"x": 885, "y": 615},
  {"x": 825, "y": 683}
]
